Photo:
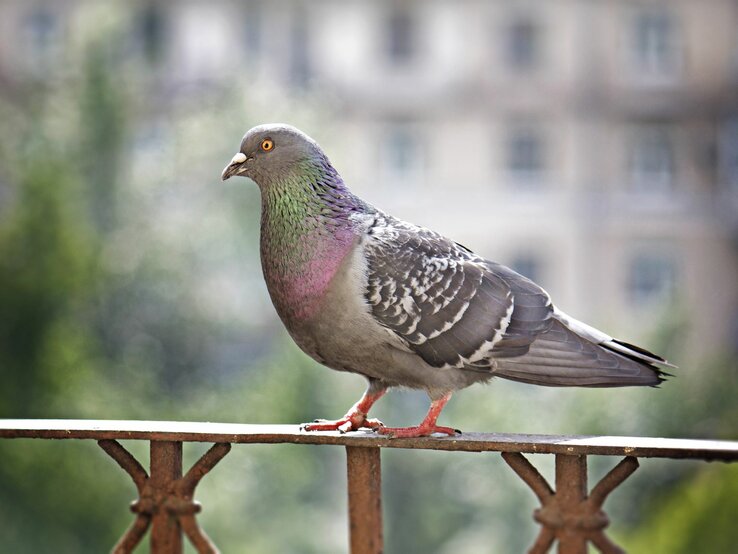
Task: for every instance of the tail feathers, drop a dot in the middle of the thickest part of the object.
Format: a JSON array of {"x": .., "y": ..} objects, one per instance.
[
  {"x": 635, "y": 352},
  {"x": 564, "y": 357}
]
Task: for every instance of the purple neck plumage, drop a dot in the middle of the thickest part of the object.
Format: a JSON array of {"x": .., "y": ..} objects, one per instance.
[{"x": 307, "y": 231}]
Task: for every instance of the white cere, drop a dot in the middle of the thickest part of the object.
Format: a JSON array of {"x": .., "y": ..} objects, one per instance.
[{"x": 239, "y": 158}]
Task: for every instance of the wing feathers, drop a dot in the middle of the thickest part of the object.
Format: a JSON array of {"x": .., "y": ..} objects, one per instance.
[
  {"x": 457, "y": 310},
  {"x": 560, "y": 357}
]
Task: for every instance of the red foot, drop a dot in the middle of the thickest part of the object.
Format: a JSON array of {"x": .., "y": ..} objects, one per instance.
[
  {"x": 355, "y": 418},
  {"x": 349, "y": 422},
  {"x": 418, "y": 431}
]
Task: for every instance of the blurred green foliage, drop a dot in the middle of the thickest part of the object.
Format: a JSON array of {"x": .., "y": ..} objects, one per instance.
[
  {"x": 696, "y": 515},
  {"x": 104, "y": 316}
]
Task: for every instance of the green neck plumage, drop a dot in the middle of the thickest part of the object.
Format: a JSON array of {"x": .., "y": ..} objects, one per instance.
[
  {"x": 306, "y": 232},
  {"x": 308, "y": 200}
]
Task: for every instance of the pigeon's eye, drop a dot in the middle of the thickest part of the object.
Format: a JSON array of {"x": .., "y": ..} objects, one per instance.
[{"x": 267, "y": 145}]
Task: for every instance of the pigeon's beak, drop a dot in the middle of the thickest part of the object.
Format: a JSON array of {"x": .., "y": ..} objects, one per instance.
[{"x": 236, "y": 166}]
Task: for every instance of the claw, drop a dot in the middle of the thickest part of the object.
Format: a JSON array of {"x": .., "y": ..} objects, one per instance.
[
  {"x": 373, "y": 424},
  {"x": 355, "y": 418},
  {"x": 349, "y": 422}
]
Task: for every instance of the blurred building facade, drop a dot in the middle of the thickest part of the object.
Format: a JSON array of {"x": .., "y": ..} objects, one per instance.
[{"x": 591, "y": 145}]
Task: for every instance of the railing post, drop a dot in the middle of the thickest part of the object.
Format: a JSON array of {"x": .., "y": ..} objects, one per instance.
[
  {"x": 571, "y": 491},
  {"x": 364, "y": 499},
  {"x": 166, "y": 468}
]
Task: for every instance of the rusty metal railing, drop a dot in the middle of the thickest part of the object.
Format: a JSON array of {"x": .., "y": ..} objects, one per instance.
[{"x": 569, "y": 515}]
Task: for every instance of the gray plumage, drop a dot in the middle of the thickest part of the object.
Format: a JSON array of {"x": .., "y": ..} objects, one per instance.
[
  {"x": 458, "y": 311},
  {"x": 364, "y": 292}
]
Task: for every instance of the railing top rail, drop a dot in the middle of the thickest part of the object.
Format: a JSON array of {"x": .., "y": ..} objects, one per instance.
[{"x": 187, "y": 431}]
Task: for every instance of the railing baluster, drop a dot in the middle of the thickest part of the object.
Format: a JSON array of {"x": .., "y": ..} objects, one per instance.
[
  {"x": 571, "y": 491},
  {"x": 165, "y": 500},
  {"x": 568, "y": 515},
  {"x": 364, "y": 499},
  {"x": 166, "y": 468}
]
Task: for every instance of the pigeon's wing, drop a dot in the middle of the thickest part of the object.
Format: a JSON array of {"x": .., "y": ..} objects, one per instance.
[
  {"x": 544, "y": 346},
  {"x": 443, "y": 301},
  {"x": 457, "y": 310},
  {"x": 532, "y": 313},
  {"x": 562, "y": 357}
]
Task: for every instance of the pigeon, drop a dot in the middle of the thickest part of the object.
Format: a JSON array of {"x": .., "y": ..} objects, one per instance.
[{"x": 363, "y": 292}]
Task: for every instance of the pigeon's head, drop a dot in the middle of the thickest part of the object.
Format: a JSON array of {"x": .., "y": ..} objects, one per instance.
[{"x": 272, "y": 152}]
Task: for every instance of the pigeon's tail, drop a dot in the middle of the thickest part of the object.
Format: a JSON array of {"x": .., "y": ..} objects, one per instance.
[{"x": 573, "y": 354}]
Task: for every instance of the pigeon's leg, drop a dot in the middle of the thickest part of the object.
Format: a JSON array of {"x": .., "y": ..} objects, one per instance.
[
  {"x": 355, "y": 418},
  {"x": 427, "y": 427}
]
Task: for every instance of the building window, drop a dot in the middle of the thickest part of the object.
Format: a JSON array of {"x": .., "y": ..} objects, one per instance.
[
  {"x": 400, "y": 36},
  {"x": 651, "y": 159},
  {"x": 528, "y": 265},
  {"x": 402, "y": 153},
  {"x": 652, "y": 278},
  {"x": 299, "y": 51},
  {"x": 523, "y": 44},
  {"x": 655, "y": 44},
  {"x": 252, "y": 24},
  {"x": 526, "y": 153},
  {"x": 728, "y": 153},
  {"x": 43, "y": 35},
  {"x": 150, "y": 30}
]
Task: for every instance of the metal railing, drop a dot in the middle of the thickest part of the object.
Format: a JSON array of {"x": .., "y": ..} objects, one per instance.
[{"x": 569, "y": 514}]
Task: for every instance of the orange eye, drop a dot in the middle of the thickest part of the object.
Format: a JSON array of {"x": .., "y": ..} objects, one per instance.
[{"x": 267, "y": 144}]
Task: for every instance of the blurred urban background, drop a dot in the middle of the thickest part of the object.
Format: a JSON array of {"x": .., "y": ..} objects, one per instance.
[{"x": 591, "y": 145}]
